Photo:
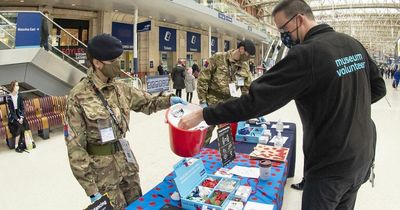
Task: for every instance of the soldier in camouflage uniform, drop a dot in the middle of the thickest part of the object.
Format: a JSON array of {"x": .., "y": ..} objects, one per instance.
[
  {"x": 102, "y": 166},
  {"x": 225, "y": 68}
]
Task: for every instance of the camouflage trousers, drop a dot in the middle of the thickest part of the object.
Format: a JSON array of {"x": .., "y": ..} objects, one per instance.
[
  {"x": 118, "y": 178},
  {"x": 210, "y": 130}
]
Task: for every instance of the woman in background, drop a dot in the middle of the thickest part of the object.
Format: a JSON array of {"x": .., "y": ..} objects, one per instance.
[
  {"x": 190, "y": 83},
  {"x": 16, "y": 120}
]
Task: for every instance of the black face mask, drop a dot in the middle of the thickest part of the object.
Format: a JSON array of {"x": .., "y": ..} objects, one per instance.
[{"x": 287, "y": 39}]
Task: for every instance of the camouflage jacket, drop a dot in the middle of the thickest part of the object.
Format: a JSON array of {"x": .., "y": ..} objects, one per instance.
[
  {"x": 83, "y": 110},
  {"x": 213, "y": 82}
]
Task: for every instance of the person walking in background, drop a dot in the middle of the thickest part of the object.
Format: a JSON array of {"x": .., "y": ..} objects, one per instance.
[
  {"x": 178, "y": 78},
  {"x": 44, "y": 32},
  {"x": 396, "y": 76},
  {"x": 16, "y": 120},
  {"x": 160, "y": 69},
  {"x": 195, "y": 69},
  {"x": 252, "y": 67},
  {"x": 190, "y": 83}
]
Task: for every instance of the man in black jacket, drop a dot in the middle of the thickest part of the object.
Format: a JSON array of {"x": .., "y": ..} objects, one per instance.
[{"x": 333, "y": 81}]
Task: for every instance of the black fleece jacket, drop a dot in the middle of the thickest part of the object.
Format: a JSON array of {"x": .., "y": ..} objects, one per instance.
[{"x": 333, "y": 81}]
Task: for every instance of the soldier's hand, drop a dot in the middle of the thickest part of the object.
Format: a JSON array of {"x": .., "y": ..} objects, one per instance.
[
  {"x": 191, "y": 120},
  {"x": 95, "y": 197},
  {"x": 177, "y": 100}
]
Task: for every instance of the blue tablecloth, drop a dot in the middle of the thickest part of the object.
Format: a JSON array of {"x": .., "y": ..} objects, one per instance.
[
  {"x": 247, "y": 148},
  {"x": 269, "y": 192}
]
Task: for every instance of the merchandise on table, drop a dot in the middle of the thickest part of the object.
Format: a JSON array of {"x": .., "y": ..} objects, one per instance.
[
  {"x": 243, "y": 193},
  {"x": 227, "y": 185},
  {"x": 223, "y": 172},
  {"x": 265, "y": 169},
  {"x": 217, "y": 198},
  {"x": 252, "y": 133},
  {"x": 210, "y": 182},
  {"x": 199, "y": 190},
  {"x": 234, "y": 205},
  {"x": 200, "y": 194},
  {"x": 270, "y": 153}
]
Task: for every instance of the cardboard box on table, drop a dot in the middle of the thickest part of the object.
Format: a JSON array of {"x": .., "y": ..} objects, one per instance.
[
  {"x": 254, "y": 133},
  {"x": 190, "y": 173}
]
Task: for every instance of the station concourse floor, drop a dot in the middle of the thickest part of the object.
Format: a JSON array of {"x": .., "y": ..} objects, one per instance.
[{"x": 43, "y": 180}]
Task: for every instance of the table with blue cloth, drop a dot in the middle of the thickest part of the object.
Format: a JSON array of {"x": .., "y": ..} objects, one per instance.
[
  {"x": 268, "y": 192},
  {"x": 247, "y": 148}
]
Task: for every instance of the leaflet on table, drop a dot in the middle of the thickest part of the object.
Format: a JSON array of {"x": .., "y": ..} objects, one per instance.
[
  {"x": 250, "y": 172},
  {"x": 258, "y": 206},
  {"x": 199, "y": 190},
  {"x": 274, "y": 138},
  {"x": 285, "y": 126},
  {"x": 177, "y": 111}
]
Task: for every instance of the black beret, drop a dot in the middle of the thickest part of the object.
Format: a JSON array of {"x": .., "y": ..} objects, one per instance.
[
  {"x": 105, "y": 47},
  {"x": 248, "y": 46}
]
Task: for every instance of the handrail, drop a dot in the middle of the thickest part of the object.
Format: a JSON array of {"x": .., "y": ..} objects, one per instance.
[
  {"x": 6, "y": 20},
  {"x": 7, "y": 32},
  {"x": 21, "y": 92},
  {"x": 70, "y": 58},
  {"x": 51, "y": 22}
]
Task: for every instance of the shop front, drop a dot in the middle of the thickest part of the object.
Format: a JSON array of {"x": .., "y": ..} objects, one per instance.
[
  {"x": 193, "y": 48},
  {"x": 60, "y": 39},
  {"x": 167, "y": 43}
]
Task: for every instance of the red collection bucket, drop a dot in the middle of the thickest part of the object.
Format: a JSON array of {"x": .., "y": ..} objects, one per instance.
[{"x": 185, "y": 143}]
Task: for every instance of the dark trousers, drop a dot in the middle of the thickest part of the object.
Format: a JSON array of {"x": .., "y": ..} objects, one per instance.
[
  {"x": 329, "y": 194},
  {"x": 44, "y": 42},
  {"x": 189, "y": 97},
  {"x": 178, "y": 92}
]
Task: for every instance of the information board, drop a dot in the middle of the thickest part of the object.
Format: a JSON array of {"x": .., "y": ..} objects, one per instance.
[{"x": 225, "y": 143}]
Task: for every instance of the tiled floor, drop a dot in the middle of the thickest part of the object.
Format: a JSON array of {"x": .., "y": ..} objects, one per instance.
[{"x": 43, "y": 180}]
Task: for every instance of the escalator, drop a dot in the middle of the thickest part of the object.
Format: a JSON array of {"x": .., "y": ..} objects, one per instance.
[{"x": 49, "y": 72}]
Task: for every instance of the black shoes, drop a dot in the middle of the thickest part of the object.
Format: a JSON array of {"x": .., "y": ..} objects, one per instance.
[
  {"x": 298, "y": 186},
  {"x": 33, "y": 145},
  {"x": 19, "y": 150}
]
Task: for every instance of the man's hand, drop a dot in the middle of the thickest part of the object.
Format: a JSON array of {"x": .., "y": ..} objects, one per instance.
[{"x": 191, "y": 120}]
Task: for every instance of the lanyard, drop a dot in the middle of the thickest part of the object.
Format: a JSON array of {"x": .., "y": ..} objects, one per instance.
[
  {"x": 231, "y": 72},
  {"x": 105, "y": 103}
]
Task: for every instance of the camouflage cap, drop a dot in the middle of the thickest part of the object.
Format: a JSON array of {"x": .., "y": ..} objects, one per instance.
[
  {"x": 248, "y": 46},
  {"x": 105, "y": 47}
]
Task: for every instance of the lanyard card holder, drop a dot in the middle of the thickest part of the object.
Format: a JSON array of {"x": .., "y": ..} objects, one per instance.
[{"x": 106, "y": 130}]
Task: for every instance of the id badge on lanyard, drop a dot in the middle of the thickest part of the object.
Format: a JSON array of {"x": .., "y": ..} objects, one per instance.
[
  {"x": 240, "y": 81},
  {"x": 127, "y": 150},
  {"x": 233, "y": 91},
  {"x": 106, "y": 130}
]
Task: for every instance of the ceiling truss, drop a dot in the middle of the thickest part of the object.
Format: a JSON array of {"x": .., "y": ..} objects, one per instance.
[{"x": 375, "y": 23}]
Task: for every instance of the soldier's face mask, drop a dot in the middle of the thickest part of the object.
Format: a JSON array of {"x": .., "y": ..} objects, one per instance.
[
  {"x": 245, "y": 56},
  {"x": 110, "y": 70},
  {"x": 286, "y": 35}
]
